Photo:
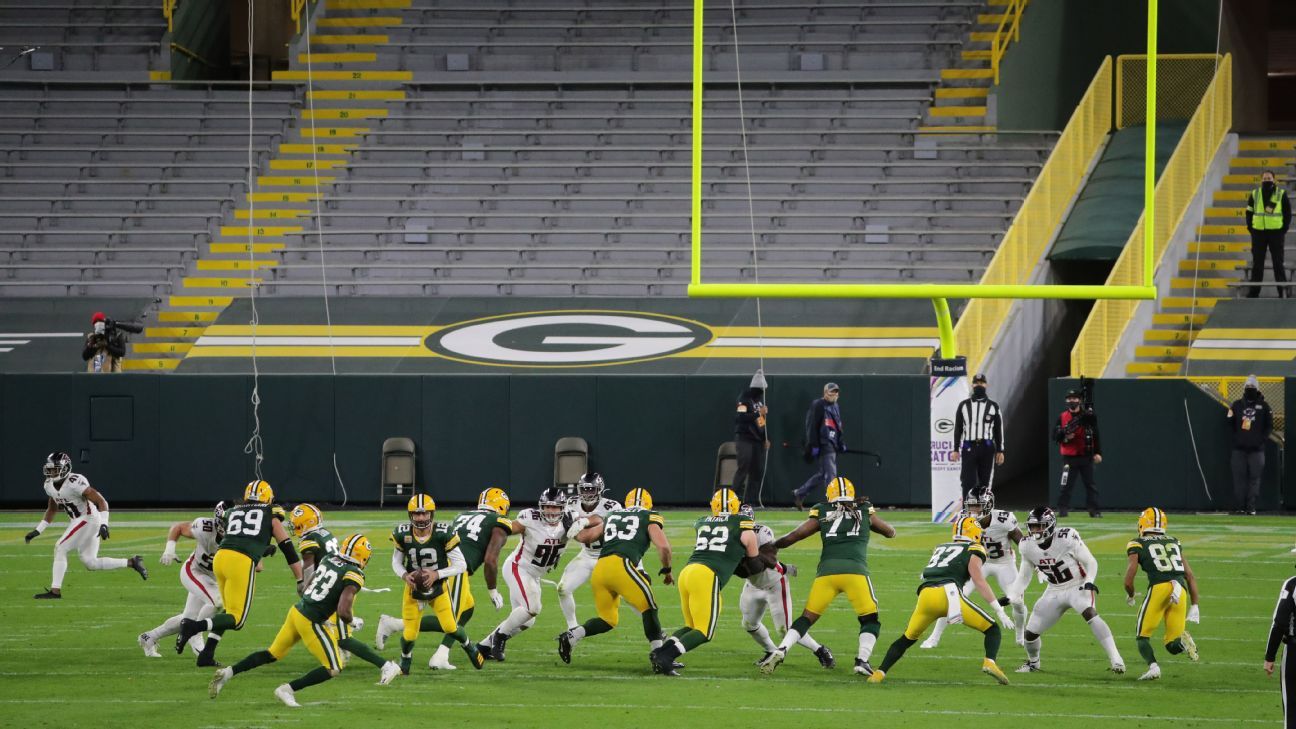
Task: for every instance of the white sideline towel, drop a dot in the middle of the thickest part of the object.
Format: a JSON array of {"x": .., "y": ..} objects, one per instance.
[
  {"x": 1176, "y": 592},
  {"x": 955, "y": 611}
]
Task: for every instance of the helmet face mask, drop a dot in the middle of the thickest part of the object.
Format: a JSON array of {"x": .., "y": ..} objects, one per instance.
[
  {"x": 590, "y": 488},
  {"x": 1041, "y": 524},
  {"x": 219, "y": 515},
  {"x": 57, "y": 467},
  {"x": 747, "y": 510},
  {"x": 550, "y": 505}
]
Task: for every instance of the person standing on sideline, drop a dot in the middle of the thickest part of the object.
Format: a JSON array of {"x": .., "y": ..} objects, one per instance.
[
  {"x": 1268, "y": 215},
  {"x": 823, "y": 437},
  {"x": 1251, "y": 420},
  {"x": 1284, "y": 631},
  {"x": 978, "y": 435},
  {"x": 750, "y": 437},
  {"x": 1076, "y": 434}
]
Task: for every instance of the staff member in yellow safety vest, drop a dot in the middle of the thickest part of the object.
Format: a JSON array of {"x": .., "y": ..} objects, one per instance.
[{"x": 1268, "y": 214}]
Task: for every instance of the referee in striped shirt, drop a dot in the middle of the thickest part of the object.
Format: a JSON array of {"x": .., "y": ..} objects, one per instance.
[
  {"x": 978, "y": 433},
  {"x": 1283, "y": 632}
]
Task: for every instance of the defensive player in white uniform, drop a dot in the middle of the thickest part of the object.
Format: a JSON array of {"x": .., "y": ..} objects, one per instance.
[
  {"x": 545, "y": 531},
  {"x": 588, "y": 502},
  {"x": 195, "y": 574},
  {"x": 1000, "y": 535},
  {"x": 1070, "y": 571},
  {"x": 769, "y": 590},
  {"x": 88, "y": 511}
]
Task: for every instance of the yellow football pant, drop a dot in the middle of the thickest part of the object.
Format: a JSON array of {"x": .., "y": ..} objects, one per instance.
[
  {"x": 699, "y": 589},
  {"x": 1157, "y": 607},
  {"x": 321, "y": 639},
  {"x": 933, "y": 604},
  {"x": 236, "y": 579},
  {"x": 857, "y": 588},
  {"x": 412, "y": 612},
  {"x": 616, "y": 578},
  {"x": 461, "y": 597}
]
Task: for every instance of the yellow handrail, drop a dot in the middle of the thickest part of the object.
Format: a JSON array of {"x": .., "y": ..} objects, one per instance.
[
  {"x": 297, "y": 7},
  {"x": 168, "y": 12},
  {"x": 1179, "y": 181},
  {"x": 1040, "y": 214},
  {"x": 1009, "y": 30}
]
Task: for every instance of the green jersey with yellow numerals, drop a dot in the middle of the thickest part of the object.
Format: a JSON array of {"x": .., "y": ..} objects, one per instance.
[
  {"x": 1161, "y": 557},
  {"x": 845, "y": 537},
  {"x": 625, "y": 533},
  {"x": 427, "y": 553},
  {"x": 719, "y": 543},
  {"x": 474, "y": 529},
  {"x": 949, "y": 563},
  {"x": 320, "y": 598},
  {"x": 248, "y": 530},
  {"x": 318, "y": 543}
]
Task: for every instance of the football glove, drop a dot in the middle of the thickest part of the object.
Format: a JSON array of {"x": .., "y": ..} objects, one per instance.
[
  {"x": 790, "y": 569},
  {"x": 1090, "y": 586},
  {"x": 103, "y": 531},
  {"x": 31, "y": 535},
  {"x": 496, "y": 599},
  {"x": 576, "y": 527},
  {"x": 169, "y": 557},
  {"x": 1129, "y": 600},
  {"x": 1004, "y": 621},
  {"x": 814, "y": 451},
  {"x": 1194, "y": 614}
]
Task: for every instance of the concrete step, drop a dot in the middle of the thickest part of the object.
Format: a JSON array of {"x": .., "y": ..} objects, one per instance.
[
  {"x": 360, "y": 21},
  {"x": 1161, "y": 352},
  {"x": 332, "y": 5},
  {"x": 146, "y": 364},
  {"x": 1219, "y": 248},
  {"x": 1210, "y": 264},
  {"x": 1181, "y": 336},
  {"x": 970, "y": 112},
  {"x": 186, "y": 317},
  {"x": 962, "y": 93},
  {"x": 162, "y": 348},
  {"x": 966, "y": 74},
  {"x": 1178, "y": 320},
  {"x": 1153, "y": 368},
  {"x": 1189, "y": 302}
]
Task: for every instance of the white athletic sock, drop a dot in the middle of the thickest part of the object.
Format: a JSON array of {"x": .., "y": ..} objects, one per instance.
[
  {"x": 762, "y": 637},
  {"x": 60, "y": 569},
  {"x": 938, "y": 630},
  {"x": 390, "y": 625},
  {"x": 654, "y": 644},
  {"x": 103, "y": 563},
  {"x": 1033, "y": 649},
  {"x": 516, "y": 622},
  {"x": 567, "y": 602},
  {"x": 866, "y": 643},
  {"x": 810, "y": 643},
  {"x": 442, "y": 653},
  {"x": 1019, "y": 617},
  {"x": 170, "y": 627},
  {"x": 677, "y": 642},
  {"x": 789, "y": 640},
  {"x": 576, "y": 634},
  {"x": 1104, "y": 636}
]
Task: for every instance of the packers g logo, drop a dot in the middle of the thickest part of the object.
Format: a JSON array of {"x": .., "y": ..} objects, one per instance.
[
  {"x": 944, "y": 425},
  {"x": 568, "y": 338}
]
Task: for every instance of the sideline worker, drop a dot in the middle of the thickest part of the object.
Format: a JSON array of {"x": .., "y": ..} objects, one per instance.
[
  {"x": 1251, "y": 420},
  {"x": 1268, "y": 215},
  {"x": 978, "y": 438},
  {"x": 823, "y": 438},
  {"x": 750, "y": 437},
  {"x": 1076, "y": 434}
]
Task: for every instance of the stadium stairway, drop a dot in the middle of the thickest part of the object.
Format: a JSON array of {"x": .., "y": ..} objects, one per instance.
[
  {"x": 348, "y": 91},
  {"x": 960, "y": 98},
  {"x": 1217, "y": 262}
]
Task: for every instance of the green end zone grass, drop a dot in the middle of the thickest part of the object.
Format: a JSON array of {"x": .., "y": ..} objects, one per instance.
[{"x": 75, "y": 662}]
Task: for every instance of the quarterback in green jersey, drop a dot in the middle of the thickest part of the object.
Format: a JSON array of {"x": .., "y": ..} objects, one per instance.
[{"x": 332, "y": 591}]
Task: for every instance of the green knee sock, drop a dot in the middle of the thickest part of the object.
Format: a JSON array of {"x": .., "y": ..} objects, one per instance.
[
  {"x": 430, "y": 624},
  {"x": 221, "y": 622},
  {"x": 992, "y": 638},
  {"x": 679, "y": 634},
  {"x": 407, "y": 647},
  {"x": 449, "y": 640},
  {"x": 1145, "y": 650},
  {"x": 1175, "y": 647},
  {"x": 596, "y": 626},
  {"x": 802, "y": 625},
  {"x": 895, "y": 652},
  {"x": 692, "y": 639},
  {"x": 867, "y": 623},
  {"x": 362, "y": 651},
  {"x": 319, "y": 675},
  {"x": 460, "y": 636},
  {"x": 651, "y": 625},
  {"x": 260, "y": 658}
]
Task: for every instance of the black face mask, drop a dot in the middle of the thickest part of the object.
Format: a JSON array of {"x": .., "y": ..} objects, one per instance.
[
  {"x": 1267, "y": 187},
  {"x": 1073, "y": 406},
  {"x": 1251, "y": 393},
  {"x": 978, "y": 392}
]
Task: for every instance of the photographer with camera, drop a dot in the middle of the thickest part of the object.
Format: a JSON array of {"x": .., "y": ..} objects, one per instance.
[
  {"x": 1076, "y": 434},
  {"x": 105, "y": 345}
]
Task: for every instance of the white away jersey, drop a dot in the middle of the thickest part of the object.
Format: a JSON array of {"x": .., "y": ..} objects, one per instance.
[
  {"x": 204, "y": 531},
  {"x": 575, "y": 510},
  {"x": 767, "y": 579},
  {"x": 542, "y": 544},
  {"x": 70, "y": 496},
  {"x": 999, "y": 547},
  {"x": 1059, "y": 563}
]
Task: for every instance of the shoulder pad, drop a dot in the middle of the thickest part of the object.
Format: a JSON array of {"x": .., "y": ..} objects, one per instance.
[
  {"x": 278, "y": 512},
  {"x": 1133, "y": 546},
  {"x": 1065, "y": 533},
  {"x": 746, "y": 524},
  {"x": 655, "y": 518},
  {"x": 442, "y": 527},
  {"x": 814, "y": 512},
  {"x": 977, "y": 548},
  {"x": 611, "y": 505},
  {"x": 526, "y": 515}
]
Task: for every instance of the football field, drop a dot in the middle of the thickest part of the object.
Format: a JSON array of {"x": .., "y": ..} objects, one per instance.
[{"x": 75, "y": 662}]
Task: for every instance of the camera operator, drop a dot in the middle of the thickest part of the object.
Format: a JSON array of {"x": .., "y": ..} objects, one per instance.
[
  {"x": 105, "y": 345},
  {"x": 1076, "y": 434}
]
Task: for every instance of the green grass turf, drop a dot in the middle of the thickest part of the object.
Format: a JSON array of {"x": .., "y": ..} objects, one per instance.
[{"x": 75, "y": 662}]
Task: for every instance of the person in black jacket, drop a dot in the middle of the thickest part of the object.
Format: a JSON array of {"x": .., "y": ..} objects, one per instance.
[
  {"x": 105, "y": 345},
  {"x": 1283, "y": 631},
  {"x": 823, "y": 441},
  {"x": 750, "y": 437},
  {"x": 1268, "y": 216},
  {"x": 1251, "y": 420},
  {"x": 978, "y": 439}
]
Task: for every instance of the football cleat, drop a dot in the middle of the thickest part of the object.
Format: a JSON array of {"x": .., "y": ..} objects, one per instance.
[
  {"x": 495, "y": 650},
  {"x": 764, "y": 658},
  {"x": 825, "y": 657},
  {"x": 991, "y": 669},
  {"x": 188, "y": 629},
  {"x": 772, "y": 661},
  {"x": 662, "y": 663},
  {"x": 1029, "y": 667},
  {"x": 565, "y": 646},
  {"x": 1190, "y": 646},
  {"x": 1117, "y": 668},
  {"x": 387, "y": 626},
  {"x": 863, "y": 668},
  {"x": 49, "y": 595},
  {"x": 876, "y": 676},
  {"x": 1153, "y": 673},
  {"x": 218, "y": 681},
  {"x": 137, "y": 563},
  {"x": 149, "y": 645},
  {"x": 207, "y": 661},
  {"x": 404, "y": 664},
  {"x": 475, "y": 655},
  {"x": 390, "y": 670},
  {"x": 285, "y": 694},
  {"x": 931, "y": 642},
  {"x": 357, "y": 624}
]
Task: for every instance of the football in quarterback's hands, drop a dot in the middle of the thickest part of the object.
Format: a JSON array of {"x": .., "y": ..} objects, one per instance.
[{"x": 422, "y": 580}]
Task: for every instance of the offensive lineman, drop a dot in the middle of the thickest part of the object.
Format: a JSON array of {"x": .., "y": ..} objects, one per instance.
[
  {"x": 85, "y": 507},
  {"x": 588, "y": 501},
  {"x": 195, "y": 574},
  {"x": 768, "y": 590},
  {"x": 1001, "y": 533},
  {"x": 625, "y": 535},
  {"x": 844, "y": 526},
  {"x": 1070, "y": 570},
  {"x": 1161, "y": 557},
  {"x": 545, "y": 532}
]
